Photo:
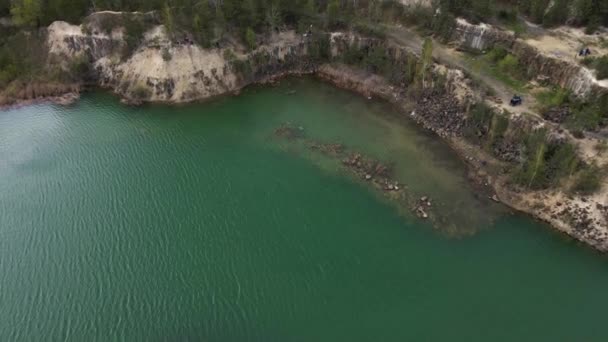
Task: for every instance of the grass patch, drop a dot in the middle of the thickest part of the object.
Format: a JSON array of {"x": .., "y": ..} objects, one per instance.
[
  {"x": 502, "y": 66},
  {"x": 553, "y": 97}
]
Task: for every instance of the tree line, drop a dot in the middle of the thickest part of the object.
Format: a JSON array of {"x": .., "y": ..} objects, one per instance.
[{"x": 589, "y": 13}]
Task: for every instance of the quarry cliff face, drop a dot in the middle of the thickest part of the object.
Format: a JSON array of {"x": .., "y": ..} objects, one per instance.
[
  {"x": 69, "y": 41},
  {"x": 161, "y": 70},
  {"x": 538, "y": 65}
]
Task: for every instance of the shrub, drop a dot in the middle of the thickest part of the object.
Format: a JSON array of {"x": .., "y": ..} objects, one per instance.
[
  {"x": 370, "y": 30},
  {"x": 80, "y": 68},
  {"x": 141, "y": 92},
  {"x": 86, "y": 29},
  {"x": 134, "y": 32},
  {"x": 602, "y": 67},
  {"x": 588, "y": 181},
  {"x": 240, "y": 67},
  {"x": 376, "y": 60},
  {"x": 585, "y": 117},
  {"x": 478, "y": 123},
  {"x": 554, "y": 97},
  {"x": 601, "y": 146},
  {"x": 509, "y": 65},
  {"x": 562, "y": 161},
  {"x": 229, "y": 55},
  {"x": 497, "y": 54},
  {"x": 557, "y": 13},
  {"x": 108, "y": 23},
  {"x": 319, "y": 47},
  {"x": 498, "y": 126},
  {"x": 166, "y": 55},
  {"x": 443, "y": 25},
  {"x": 418, "y": 15},
  {"x": 533, "y": 167},
  {"x": 600, "y": 64},
  {"x": 8, "y": 72},
  {"x": 507, "y": 15},
  {"x": 250, "y": 38},
  {"x": 353, "y": 54},
  {"x": 333, "y": 14}
]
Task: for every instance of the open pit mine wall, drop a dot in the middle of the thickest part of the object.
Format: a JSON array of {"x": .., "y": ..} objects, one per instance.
[
  {"x": 536, "y": 65},
  {"x": 193, "y": 73},
  {"x": 163, "y": 71}
]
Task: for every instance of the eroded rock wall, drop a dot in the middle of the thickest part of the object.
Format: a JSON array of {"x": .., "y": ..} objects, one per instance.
[
  {"x": 536, "y": 64},
  {"x": 66, "y": 42}
]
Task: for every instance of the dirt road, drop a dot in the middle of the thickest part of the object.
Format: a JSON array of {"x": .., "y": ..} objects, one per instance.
[{"x": 450, "y": 57}]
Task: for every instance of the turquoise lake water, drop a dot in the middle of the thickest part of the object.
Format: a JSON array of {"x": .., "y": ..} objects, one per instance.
[{"x": 195, "y": 223}]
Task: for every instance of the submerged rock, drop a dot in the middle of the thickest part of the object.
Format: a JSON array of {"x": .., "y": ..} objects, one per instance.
[{"x": 289, "y": 132}]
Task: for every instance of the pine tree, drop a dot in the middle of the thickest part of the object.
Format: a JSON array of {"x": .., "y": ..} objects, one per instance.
[
  {"x": 250, "y": 38},
  {"x": 333, "y": 9},
  {"x": 26, "y": 12},
  {"x": 426, "y": 60},
  {"x": 168, "y": 18}
]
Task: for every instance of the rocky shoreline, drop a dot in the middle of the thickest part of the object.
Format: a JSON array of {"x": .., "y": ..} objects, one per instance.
[
  {"x": 574, "y": 222},
  {"x": 65, "y": 96},
  {"x": 423, "y": 113},
  {"x": 194, "y": 74}
]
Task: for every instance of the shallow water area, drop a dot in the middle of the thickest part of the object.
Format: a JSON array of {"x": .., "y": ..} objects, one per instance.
[{"x": 196, "y": 223}]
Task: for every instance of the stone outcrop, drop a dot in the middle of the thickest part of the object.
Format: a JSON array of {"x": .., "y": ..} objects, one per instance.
[
  {"x": 161, "y": 70},
  {"x": 538, "y": 65},
  {"x": 67, "y": 41}
]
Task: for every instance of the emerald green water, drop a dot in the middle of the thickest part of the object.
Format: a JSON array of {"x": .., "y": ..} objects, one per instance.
[{"x": 196, "y": 223}]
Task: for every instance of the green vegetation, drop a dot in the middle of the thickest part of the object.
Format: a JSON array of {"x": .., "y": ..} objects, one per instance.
[
  {"x": 508, "y": 18},
  {"x": 485, "y": 127},
  {"x": 141, "y": 92},
  {"x": 588, "y": 13},
  {"x": 502, "y": 66},
  {"x": 135, "y": 27},
  {"x": 601, "y": 147},
  {"x": 424, "y": 65},
  {"x": 588, "y": 181},
  {"x": 498, "y": 127},
  {"x": 553, "y": 98},
  {"x": 26, "y": 12},
  {"x": 22, "y": 60},
  {"x": 166, "y": 55},
  {"x": 583, "y": 115},
  {"x": 250, "y": 38},
  {"x": 533, "y": 167},
  {"x": 370, "y": 30},
  {"x": 600, "y": 64},
  {"x": 546, "y": 161},
  {"x": 167, "y": 13}
]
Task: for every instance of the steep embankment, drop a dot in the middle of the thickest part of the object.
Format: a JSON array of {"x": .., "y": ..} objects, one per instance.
[
  {"x": 585, "y": 217},
  {"x": 162, "y": 70},
  {"x": 537, "y": 63}
]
